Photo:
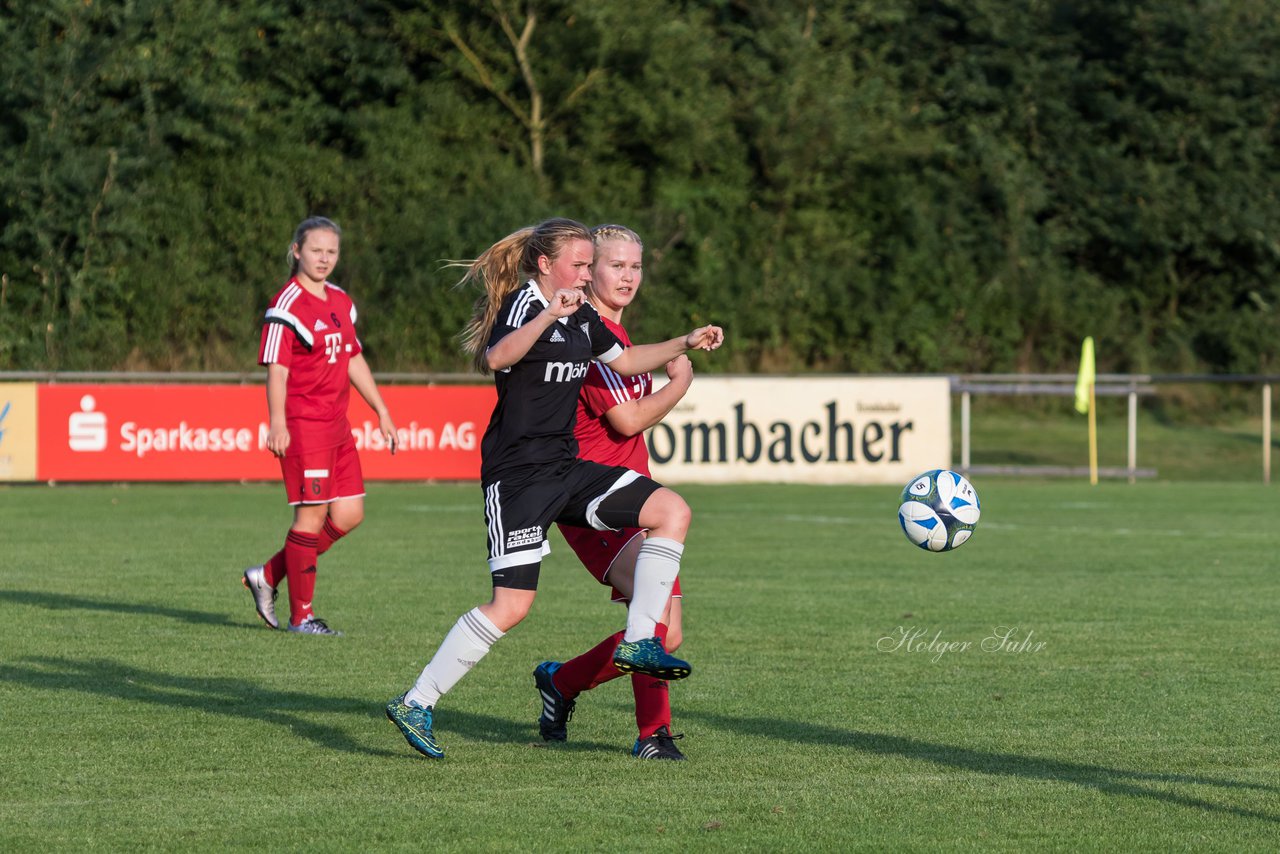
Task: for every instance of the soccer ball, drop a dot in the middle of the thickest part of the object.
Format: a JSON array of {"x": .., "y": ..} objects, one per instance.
[{"x": 939, "y": 510}]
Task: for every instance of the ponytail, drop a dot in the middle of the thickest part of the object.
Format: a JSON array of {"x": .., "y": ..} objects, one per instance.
[{"x": 502, "y": 269}]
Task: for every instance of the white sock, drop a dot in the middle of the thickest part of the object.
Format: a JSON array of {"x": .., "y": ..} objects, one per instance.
[
  {"x": 657, "y": 566},
  {"x": 467, "y": 642}
]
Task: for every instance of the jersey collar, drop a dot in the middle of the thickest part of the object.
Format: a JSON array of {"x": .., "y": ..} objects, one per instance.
[
  {"x": 324, "y": 294},
  {"x": 532, "y": 287}
]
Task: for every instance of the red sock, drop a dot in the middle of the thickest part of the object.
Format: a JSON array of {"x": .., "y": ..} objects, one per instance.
[
  {"x": 329, "y": 535},
  {"x": 589, "y": 669},
  {"x": 274, "y": 569},
  {"x": 300, "y": 568},
  {"x": 653, "y": 705}
]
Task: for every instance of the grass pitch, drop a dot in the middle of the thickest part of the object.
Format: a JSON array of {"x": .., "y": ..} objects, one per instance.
[{"x": 850, "y": 691}]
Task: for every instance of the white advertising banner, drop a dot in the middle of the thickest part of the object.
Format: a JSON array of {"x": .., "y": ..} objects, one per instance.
[{"x": 874, "y": 430}]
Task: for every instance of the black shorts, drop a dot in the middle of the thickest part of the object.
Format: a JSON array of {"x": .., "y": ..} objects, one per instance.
[{"x": 519, "y": 516}]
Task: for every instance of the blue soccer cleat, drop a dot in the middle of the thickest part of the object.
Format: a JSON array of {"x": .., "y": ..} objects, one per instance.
[
  {"x": 313, "y": 625},
  {"x": 415, "y": 724},
  {"x": 647, "y": 656}
]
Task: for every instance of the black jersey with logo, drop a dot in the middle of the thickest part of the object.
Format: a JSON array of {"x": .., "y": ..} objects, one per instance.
[{"x": 531, "y": 431}]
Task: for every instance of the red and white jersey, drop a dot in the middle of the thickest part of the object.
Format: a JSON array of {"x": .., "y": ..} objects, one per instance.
[
  {"x": 603, "y": 389},
  {"x": 315, "y": 339}
]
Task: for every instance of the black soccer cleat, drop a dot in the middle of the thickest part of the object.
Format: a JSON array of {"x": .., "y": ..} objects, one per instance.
[
  {"x": 660, "y": 745},
  {"x": 556, "y": 710}
]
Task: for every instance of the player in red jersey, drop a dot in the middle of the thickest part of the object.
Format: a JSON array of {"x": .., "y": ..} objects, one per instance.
[
  {"x": 532, "y": 329},
  {"x": 613, "y": 413},
  {"x": 313, "y": 357}
]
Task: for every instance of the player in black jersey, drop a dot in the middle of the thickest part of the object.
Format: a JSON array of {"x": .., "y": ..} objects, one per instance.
[{"x": 534, "y": 331}]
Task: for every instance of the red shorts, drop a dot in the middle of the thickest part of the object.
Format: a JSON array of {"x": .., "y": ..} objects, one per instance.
[
  {"x": 598, "y": 549},
  {"x": 321, "y": 477}
]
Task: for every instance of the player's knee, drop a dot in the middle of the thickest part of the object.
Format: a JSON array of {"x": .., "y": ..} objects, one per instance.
[
  {"x": 309, "y": 518},
  {"x": 675, "y": 517},
  {"x": 346, "y": 514},
  {"x": 506, "y": 619},
  {"x": 675, "y": 637},
  {"x": 514, "y": 588},
  {"x": 507, "y": 613}
]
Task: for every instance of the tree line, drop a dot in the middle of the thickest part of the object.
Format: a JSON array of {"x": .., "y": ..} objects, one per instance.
[{"x": 857, "y": 185}]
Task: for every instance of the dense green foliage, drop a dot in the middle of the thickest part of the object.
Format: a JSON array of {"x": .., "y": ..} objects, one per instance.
[{"x": 868, "y": 185}]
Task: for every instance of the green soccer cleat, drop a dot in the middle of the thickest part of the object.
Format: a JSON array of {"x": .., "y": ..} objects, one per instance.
[
  {"x": 415, "y": 724},
  {"x": 647, "y": 656}
]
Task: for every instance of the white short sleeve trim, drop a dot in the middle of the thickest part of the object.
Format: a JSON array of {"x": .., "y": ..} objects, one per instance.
[{"x": 612, "y": 353}]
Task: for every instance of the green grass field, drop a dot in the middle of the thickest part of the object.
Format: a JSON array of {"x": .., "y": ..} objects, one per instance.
[{"x": 143, "y": 706}]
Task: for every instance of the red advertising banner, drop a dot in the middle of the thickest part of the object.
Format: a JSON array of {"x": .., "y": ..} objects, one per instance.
[{"x": 217, "y": 432}]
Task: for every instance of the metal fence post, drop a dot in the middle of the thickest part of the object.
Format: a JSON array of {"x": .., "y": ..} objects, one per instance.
[
  {"x": 1133, "y": 434},
  {"x": 1266, "y": 433}
]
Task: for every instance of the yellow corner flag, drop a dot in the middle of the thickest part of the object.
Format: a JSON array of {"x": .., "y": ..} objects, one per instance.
[
  {"x": 1087, "y": 377},
  {"x": 1085, "y": 400}
]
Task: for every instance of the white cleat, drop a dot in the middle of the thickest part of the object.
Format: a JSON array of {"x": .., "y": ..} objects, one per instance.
[{"x": 264, "y": 595}]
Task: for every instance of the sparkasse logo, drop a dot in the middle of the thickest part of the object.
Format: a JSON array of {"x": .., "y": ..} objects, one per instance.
[{"x": 86, "y": 429}]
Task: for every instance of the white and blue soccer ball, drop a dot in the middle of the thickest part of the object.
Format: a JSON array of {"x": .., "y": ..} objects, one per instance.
[{"x": 939, "y": 510}]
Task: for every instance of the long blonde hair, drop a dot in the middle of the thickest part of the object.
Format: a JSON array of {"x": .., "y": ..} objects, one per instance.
[{"x": 504, "y": 267}]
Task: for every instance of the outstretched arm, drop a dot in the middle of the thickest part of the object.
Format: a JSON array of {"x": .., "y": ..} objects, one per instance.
[{"x": 649, "y": 357}]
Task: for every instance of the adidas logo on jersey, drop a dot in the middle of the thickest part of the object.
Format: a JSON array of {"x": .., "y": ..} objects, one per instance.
[
  {"x": 320, "y": 326},
  {"x": 556, "y": 337}
]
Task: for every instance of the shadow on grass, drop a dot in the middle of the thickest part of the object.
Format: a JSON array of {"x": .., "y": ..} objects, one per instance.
[
  {"x": 238, "y": 698},
  {"x": 233, "y": 696},
  {"x": 1112, "y": 781},
  {"x": 294, "y": 711},
  {"x": 64, "y": 602}
]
